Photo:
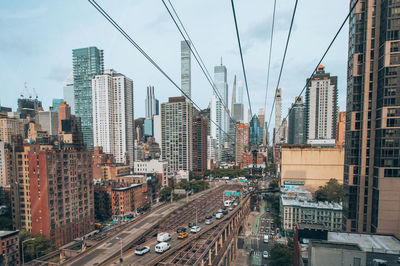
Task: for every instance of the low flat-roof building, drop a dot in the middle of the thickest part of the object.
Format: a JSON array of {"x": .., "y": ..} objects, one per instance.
[
  {"x": 9, "y": 247},
  {"x": 302, "y": 210}
]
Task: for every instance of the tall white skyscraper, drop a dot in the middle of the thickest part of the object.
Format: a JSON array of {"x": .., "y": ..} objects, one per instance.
[
  {"x": 186, "y": 84},
  {"x": 278, "y": 116},
  {"x": 112, "y": 98},
  {"x": 68, "y": 92},
  {"x": 237, "y": 108},
  {"x": 176, "y": 134},
  {"x": 321, "y": 106},
  {"x": 151, "y": 103}
]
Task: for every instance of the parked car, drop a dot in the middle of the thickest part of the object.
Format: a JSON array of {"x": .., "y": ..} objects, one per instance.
[
  {"x": 182, "y": 235},
  {"x": 195, "y": 229},
  {"x": 161, "y": 247},
  {"x": 265, "y": 255},
  {"x": 163, "y": 237},
  {"x": 180, "y": 230},
  {"x": 142, "y": 250},
  {"x": 220, "y": 210}
]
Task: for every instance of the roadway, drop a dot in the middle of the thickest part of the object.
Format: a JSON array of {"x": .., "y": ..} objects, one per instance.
[{"x": 109, "y": 248}]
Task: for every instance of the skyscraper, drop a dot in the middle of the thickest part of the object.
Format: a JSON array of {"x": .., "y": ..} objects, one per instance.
[
  {"x": 237, "y": 108},
  {"x": 372, "y": 151},
  {"x": 278, "y": 116},
  {"x": 199, "y": 129},
  {"x": 186, "y": 72},
  {"x": 256, "y": 132},
  {"x": 56, "y": 104},
  {"x": 340, "y": 129},
  {"x": 68, "y": 92},
  {"x": 112, "y": 95},
  {"x": 321, "y": 105},
  {"x": 242, "y": 141},
  {"x": 49, "y": 122},
  {"x": 297, "y": 127},
  {"x": 151, "y": 103},
  {"x": 86, "y": 63},
  {"x": 176, "y": 134}
]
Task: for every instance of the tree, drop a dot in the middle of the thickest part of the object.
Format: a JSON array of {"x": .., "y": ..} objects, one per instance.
[
  {"x": 281, "y": 255},
  {"x": 39, "y": 246},
  {"x": 332, "y": 192},
  {"x": 6, "y": 219},
  {"x": 273, "y": 185},
  {"x": 165, "y": 193}
]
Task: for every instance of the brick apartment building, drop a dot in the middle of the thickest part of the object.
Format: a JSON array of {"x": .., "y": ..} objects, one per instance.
[
  {"x": 9, "y": 248},
  {"x": 61, "y": 192}
]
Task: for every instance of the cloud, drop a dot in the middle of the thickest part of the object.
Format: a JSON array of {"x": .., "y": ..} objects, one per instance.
[{"x": 58, "y": 73}]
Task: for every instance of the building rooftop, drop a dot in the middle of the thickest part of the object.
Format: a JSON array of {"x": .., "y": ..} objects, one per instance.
[
  {"x": 304, "y": 203},
  {"x": 126, "y": 188},
  {"x": 7, "y": 233},
  {"x": 368, "y": 242}
]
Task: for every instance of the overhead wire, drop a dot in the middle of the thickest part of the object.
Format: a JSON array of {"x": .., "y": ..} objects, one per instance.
[
  {"x": 241, "y": 54},
  {"x": 282, "y": 63},
  {"x": 322, "y": 58},
  {"x": 111, "y": 20}
]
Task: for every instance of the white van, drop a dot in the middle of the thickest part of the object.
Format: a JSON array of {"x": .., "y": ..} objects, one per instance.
[
  {"x": 161, "y": 247},
  {"x": 163, "y": 237},
  {"x": 265, "y": 238},
  {"x": 227, "y": 203},
  {"x": 219, "y": 215}
]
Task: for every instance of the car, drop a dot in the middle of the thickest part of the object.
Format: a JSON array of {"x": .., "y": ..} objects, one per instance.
[
  {"x": 161, "y": 247},
  {"x": 195, "y": 229},
  {"x": 182, "y": 235},
  {"x": 208, "y": 217},
  {"x": 191, "y": 224},
  {"x": 214, "y": 213},
  {"x": 163, "y": 237},
  {"x": 181, "y": 230},
  {"x": 235, "y": 203},
  {"x": 219, "y": 215},
  {"x": 265, "y": 255},
  {"x": 230, "y": 208},
  {"x": 223, "y": 208},
  {"x": 142, "y": 250},
  {"x": 268, "y": 210},
  {"x": 225, "y": 212},
  {"x": 209, "y": 221},
  {"x": 220, "y": 210}
]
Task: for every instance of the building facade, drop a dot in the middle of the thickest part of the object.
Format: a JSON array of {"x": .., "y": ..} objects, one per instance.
[
  {"x": 309, "y": 167},
  {"x": 186, "y": 72},
  {"x": 151, "y": 104},
  {"x": 68, "y": 92},
  {"x": 242, "y": 141},
  {"x": 9, "y": 247},
  {"x": 86, "y": 63},
  {"x": 9, "y": 127},
  {"x": 61, "y": 194},
  {"x": 321, "y": 105},
  {"x": 255, "y": 132},
  {"x": 340, "y": 129},
  {"x": 200, "y": 132},
  {"x": 176, "y": 134},
  {"x": 372, "y": 142},
  {"x": 49, "y": 122},
  {"x": 113, "y": 123},
  {"x": 278, "y": 116},
  {"x": 153, "y": 167},
  {"x": 297, "y": 126},
  {"x": 294, "y": 210}
]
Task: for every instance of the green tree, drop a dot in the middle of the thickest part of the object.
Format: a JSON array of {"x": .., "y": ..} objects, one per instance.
[
  {"x": 332, "y": 192},
  {"x": 281, "y": 255},
  {"x": 273, "y": 184},
  {"x": 165, "y": 193},
  {"x": 39, "y": 246}
]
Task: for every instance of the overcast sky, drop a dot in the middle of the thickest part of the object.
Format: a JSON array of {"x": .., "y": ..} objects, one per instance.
[{"x": 37, "y": 38}]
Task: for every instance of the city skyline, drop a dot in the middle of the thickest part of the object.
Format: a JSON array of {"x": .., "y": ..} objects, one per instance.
[{"x": 49, "y": 79}]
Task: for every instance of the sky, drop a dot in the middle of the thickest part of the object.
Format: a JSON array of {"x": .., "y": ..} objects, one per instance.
[{"x": 37, "y": 38}]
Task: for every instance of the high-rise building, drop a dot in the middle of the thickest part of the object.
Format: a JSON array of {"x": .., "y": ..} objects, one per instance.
[
  {"x": 5, "y": 160},
  {"x": 278, "y": 116},
  {"x": 56, "y": 104},
  {"x": 372, "y": 150},
  {"x": 218, "y": 113},
  {"x": 28, "y": 107},
  {"x": 237, "y": 108},
  {"x": 242, "y": 141},
  {"x": 199, "y": 129},
  {"x": 49, "y": 121},
  {"x": 148, "y": 127},
  {"x": 68, "y": 92},
  {"x": 112, "y": 98},
  {"x": 321, "y": 105},
  {"x": 297, "y": 127},
  {"x": 256, "y": 132},
  {"x": 340, "y": 129},
  {"x": 157, "y": 129},
  {"x": 240, "y": 92},
  {"x": 284, "y": 131},
  {"x": 176, "y": 134},
  {"x": 151, "y": 104},
  {"x": 216, "y": 133},
  {"x": 69, "y": 127},
  {"x": 186, "y": 72},
  {"x": 86, "y": 63},
  {"x": 62, "y": 205},
  {"x": 9, "y": 127}
]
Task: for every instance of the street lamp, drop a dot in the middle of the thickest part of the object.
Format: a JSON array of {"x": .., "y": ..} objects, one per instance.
[
  {"x": 23, "y": 258},
  {"x": 120, "y": 239}
]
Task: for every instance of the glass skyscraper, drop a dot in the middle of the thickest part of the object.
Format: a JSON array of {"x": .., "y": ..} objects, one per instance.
[
  {"x": 86, "y": 63},
  {"x": 256, "y": 131}
]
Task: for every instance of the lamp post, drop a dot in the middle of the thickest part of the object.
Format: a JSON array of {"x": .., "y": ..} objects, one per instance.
[
  {"x": 23, "y": 258},
  {"x": 120, "y": 239}
]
